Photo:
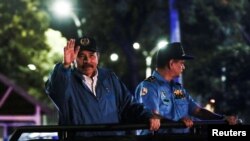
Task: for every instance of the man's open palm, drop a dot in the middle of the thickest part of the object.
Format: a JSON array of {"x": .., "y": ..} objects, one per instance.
[{"x": 70, "y": 53}]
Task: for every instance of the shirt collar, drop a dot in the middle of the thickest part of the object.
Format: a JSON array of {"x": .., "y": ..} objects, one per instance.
[
  {"x": 158, "y": 76},
  {"x": 93, "y": 78}
]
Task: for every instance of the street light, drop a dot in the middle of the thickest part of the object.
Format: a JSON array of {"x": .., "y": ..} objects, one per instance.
[
  {"x": 114, "y": 57},
  {"x": 149, "y": 54},
  {"x": 63, "y": 8}
]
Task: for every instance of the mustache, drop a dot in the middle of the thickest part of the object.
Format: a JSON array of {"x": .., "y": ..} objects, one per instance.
[{"x": 87, "y": 65}]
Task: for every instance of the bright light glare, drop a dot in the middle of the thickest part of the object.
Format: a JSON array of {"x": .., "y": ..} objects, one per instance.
[
  {"x": 136, "y": 46},
  {"x": 114, "y": 57},
  {"x": 62, "y": 8},
  {"x": 148, "y": 60},
  {"x": 31, "y": 66},
  {"x": 223, "y": 78},
  {"x": 162, "y": 44}
]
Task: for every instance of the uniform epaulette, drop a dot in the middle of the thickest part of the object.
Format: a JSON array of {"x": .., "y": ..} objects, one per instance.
[{"x": 150, "y": 79}]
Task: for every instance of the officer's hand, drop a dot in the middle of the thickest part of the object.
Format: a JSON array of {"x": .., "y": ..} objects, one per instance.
[
  {"x": 232, "y": 120},
  {"x": 70, "y": 53},
  {"x": 155, "y": 124},
  {"x": 187, "y": 121}
]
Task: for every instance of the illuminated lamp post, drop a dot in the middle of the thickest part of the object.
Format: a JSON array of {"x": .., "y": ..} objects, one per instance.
[{"x": 63, "y": 8}]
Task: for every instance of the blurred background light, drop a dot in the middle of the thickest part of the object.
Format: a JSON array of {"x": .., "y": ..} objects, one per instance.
[
  {"x": 136, "y": 46},
  {"x": 114, "y": 57},
  {"x": 62, "y": 8},
  {"x": 31, "y": 66}
]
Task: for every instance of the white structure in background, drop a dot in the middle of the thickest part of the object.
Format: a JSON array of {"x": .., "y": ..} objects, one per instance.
[{"x": 31, "y": 111}]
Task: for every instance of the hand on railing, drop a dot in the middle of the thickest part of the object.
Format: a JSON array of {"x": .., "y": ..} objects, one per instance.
[
  {"x": 233, "y": 120},
  {"x": 105, "y": 127},
  {"x": 187, "y": 121}
]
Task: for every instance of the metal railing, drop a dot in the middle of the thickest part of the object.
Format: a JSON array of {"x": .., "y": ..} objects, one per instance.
[{"x": 196, "y": 132}]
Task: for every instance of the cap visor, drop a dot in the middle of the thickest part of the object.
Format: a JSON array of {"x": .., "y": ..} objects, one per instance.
[{"x": 187, "y": 57}]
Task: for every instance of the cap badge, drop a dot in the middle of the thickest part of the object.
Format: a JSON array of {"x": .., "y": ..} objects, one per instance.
[{"x": 84, "y": 41}]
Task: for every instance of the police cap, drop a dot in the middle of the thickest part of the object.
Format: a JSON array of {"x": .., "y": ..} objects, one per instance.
[
  {"x": 172, "y": 51},
  {"x": 87, "y": 43}
]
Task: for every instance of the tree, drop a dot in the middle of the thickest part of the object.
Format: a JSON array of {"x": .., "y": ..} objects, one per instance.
[
  {"x": 22, "y": 33},
  {"x": 217, "y": 32}
]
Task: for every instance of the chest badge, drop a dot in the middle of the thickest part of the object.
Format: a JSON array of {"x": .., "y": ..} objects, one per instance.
[{"x": 178, "y": 94}]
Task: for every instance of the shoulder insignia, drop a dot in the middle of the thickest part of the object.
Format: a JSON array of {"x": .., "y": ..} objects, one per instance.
[
  {"x": 144, "y": 91},
  {"x": 150, "y": 79}
]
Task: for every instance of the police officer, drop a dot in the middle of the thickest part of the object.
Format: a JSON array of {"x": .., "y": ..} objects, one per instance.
[
  {"x": 86, "y": 94},
  {"x": 166, "y": 96}
]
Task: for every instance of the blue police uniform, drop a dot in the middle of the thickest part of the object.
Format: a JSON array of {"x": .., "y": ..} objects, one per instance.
[
  {"x": 169, "y": 99},
  {"x": 77, "y": 105}
]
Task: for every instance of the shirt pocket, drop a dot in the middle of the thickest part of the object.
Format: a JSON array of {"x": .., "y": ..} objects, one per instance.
[
  {"x": 182, "y": 106},
  {"x": 165, "y": 105}
]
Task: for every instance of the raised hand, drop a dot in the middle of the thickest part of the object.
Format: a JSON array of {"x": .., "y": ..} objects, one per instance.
[{"x": 70, "y": 53}]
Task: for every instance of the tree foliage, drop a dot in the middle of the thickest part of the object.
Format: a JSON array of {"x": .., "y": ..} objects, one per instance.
[
  {"x": 22, "y": 29},
  {"x": 217, "y": 32}
]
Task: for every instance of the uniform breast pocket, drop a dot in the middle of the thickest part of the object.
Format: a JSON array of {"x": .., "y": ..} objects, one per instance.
[
  {"x": 165, "y": 105},
  {"x": 165, "y": 101},
  {"x": 182, "y": 105}
]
